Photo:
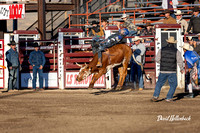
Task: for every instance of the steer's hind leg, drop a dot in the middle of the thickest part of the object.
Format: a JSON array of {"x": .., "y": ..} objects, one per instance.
[
  {"x": 96, "y": 77},
  {"x": 123, "y": 73},
  {"x": 119, "y": 87}
]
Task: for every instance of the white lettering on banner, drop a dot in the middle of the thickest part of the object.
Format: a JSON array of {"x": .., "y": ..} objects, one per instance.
[
  {"x": 70, "y": 81},
  {"x": 81, "y": 46},
  {"x": 14, "y": 11},
  {"x": 50, "y": 80}
]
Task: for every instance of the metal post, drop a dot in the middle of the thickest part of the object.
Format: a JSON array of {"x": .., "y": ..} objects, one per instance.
[
  {"x": 14, "y": 22},
  {"x": 42, "y": 19},
  {"x": 60, "y": 60}
]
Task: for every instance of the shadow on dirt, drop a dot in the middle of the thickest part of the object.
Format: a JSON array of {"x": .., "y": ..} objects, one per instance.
[
  {"x": 17, "y": 93},
  {"x": 182, "y": 95},
  {"x": 124, "y": 90}
]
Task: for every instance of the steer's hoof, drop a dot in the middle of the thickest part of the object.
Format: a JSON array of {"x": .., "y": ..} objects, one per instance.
[
  {"x": 118, "y": 88},
  {"x": 90, "y": 88}
]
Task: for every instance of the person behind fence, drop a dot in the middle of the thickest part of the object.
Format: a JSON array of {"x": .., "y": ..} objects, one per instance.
[
  {"x": 192, "y": 68},
  {"x": 170, "y": 5},
  {"x": 12, "y": 59},
  {"x": 194, "y": 23},
  {"x": 181, "y": 21},
  {"x": 37, "y": 60},
  {"x": 168, "y": 19},
  {"x": 137, "y": 62},
  {"x": 109, "y": 42},
  {"x": 148, "y": 31},
  {"x": 196, "y": 44},
  {"x": 168, "y": 58},
  {"x": 96, "y": 30}
]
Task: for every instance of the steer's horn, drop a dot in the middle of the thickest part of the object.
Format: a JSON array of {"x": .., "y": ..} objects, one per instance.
[{"x": 78, "y": 64}]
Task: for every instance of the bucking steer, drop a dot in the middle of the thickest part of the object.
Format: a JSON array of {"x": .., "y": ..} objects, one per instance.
[{"x": 119, "y": 54}]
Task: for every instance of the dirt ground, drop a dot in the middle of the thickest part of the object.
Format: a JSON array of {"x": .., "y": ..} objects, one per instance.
[{"x": 96, "y": 111}]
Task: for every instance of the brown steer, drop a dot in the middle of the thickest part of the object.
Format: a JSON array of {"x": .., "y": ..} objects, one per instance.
[{"x": 119, "y": 54}]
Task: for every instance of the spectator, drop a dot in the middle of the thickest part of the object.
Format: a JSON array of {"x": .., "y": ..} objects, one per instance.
[
  {"x": 13, "y": 64},
  {"x": 196, "y": 44},
  {"x": 37, "y": 60},
  {"x": 192, "y": 59},
  {"x": 148, "y": 31},
  {"x": 181, "y": 21},
  {"x": 129, "y": 25},
  {"x": 96, "y": 30},
  {"x": 168, "y": 19},
  {"x": 170, "y": 5},
  {"x": 138, "y": 61},
  {"x": 194, "y": 23},
  {"x": 168, "y": 57}
]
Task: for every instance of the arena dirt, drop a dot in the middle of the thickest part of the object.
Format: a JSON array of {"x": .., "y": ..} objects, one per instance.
[{"x": 95, "y": 111}]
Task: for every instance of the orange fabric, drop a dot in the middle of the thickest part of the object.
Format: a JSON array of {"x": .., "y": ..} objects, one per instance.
[{"x": 101, "y": 33}]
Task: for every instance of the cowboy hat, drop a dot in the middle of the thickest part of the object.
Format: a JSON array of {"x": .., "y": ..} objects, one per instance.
[
  {"x": 195, "y": 9},
  {"x": 171, "y": 40},
  {"x": 136, "y": 38},
  {"x": 36, "y": 45},
  {"x": 95, "y": 22},
  {"x": 124, "y": 16},
  {"x": 167, "y": 11},
  {"x": 11, "y": 43},
  {"x": 178, "y": 12},
  {"x": 187, "y": 46}
]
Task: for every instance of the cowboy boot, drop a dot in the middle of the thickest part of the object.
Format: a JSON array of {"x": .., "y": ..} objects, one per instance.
[{"x": 99, "y": 64}]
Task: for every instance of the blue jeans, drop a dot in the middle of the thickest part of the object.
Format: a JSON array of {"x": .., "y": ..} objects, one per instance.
[
  {"x": 40, "y": 72},
  {"x": 136, "y": 70},
  {"x": 12, "y": 78},
  {"x": 172, "y": 79}
]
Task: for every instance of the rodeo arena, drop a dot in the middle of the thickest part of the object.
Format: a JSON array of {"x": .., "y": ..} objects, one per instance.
[{"x": 99, "y": 66}]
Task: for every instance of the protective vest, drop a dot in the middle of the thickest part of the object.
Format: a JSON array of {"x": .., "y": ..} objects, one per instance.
[{"x": 168, "y": 58}]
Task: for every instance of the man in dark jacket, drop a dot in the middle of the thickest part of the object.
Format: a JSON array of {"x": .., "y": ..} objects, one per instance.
[
  {"x": 168, "y": 57},
  {"x": 194, "y": 21},
  {"x": 12, "y": 59},
  {"x": 37, "y": 60}
]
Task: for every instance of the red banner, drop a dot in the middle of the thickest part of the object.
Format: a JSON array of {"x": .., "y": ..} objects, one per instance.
[{"x": 14, "y": 11}]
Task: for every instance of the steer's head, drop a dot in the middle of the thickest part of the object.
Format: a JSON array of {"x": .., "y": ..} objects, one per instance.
[{"x": 84, "y": 72}]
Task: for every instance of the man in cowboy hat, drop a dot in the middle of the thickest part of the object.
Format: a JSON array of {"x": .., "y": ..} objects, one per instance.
[
  {"x": 181, "y": 21},
  {"x": 194, "y": 23},
  {"x": 12, "y": 59},
  {"x": 168, "y": 57},
  {"x": 148, "y": 31},
  {"x": 37, "y": 60},
  {"x": 137, "y": 62},
  {"x": 168, "y": 19},
  {"x": 96, "y": 30},
  {"x": 192, "y": 67}
]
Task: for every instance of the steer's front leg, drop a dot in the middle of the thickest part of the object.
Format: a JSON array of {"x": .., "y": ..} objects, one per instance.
[{"x": 95, "y": 77}]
